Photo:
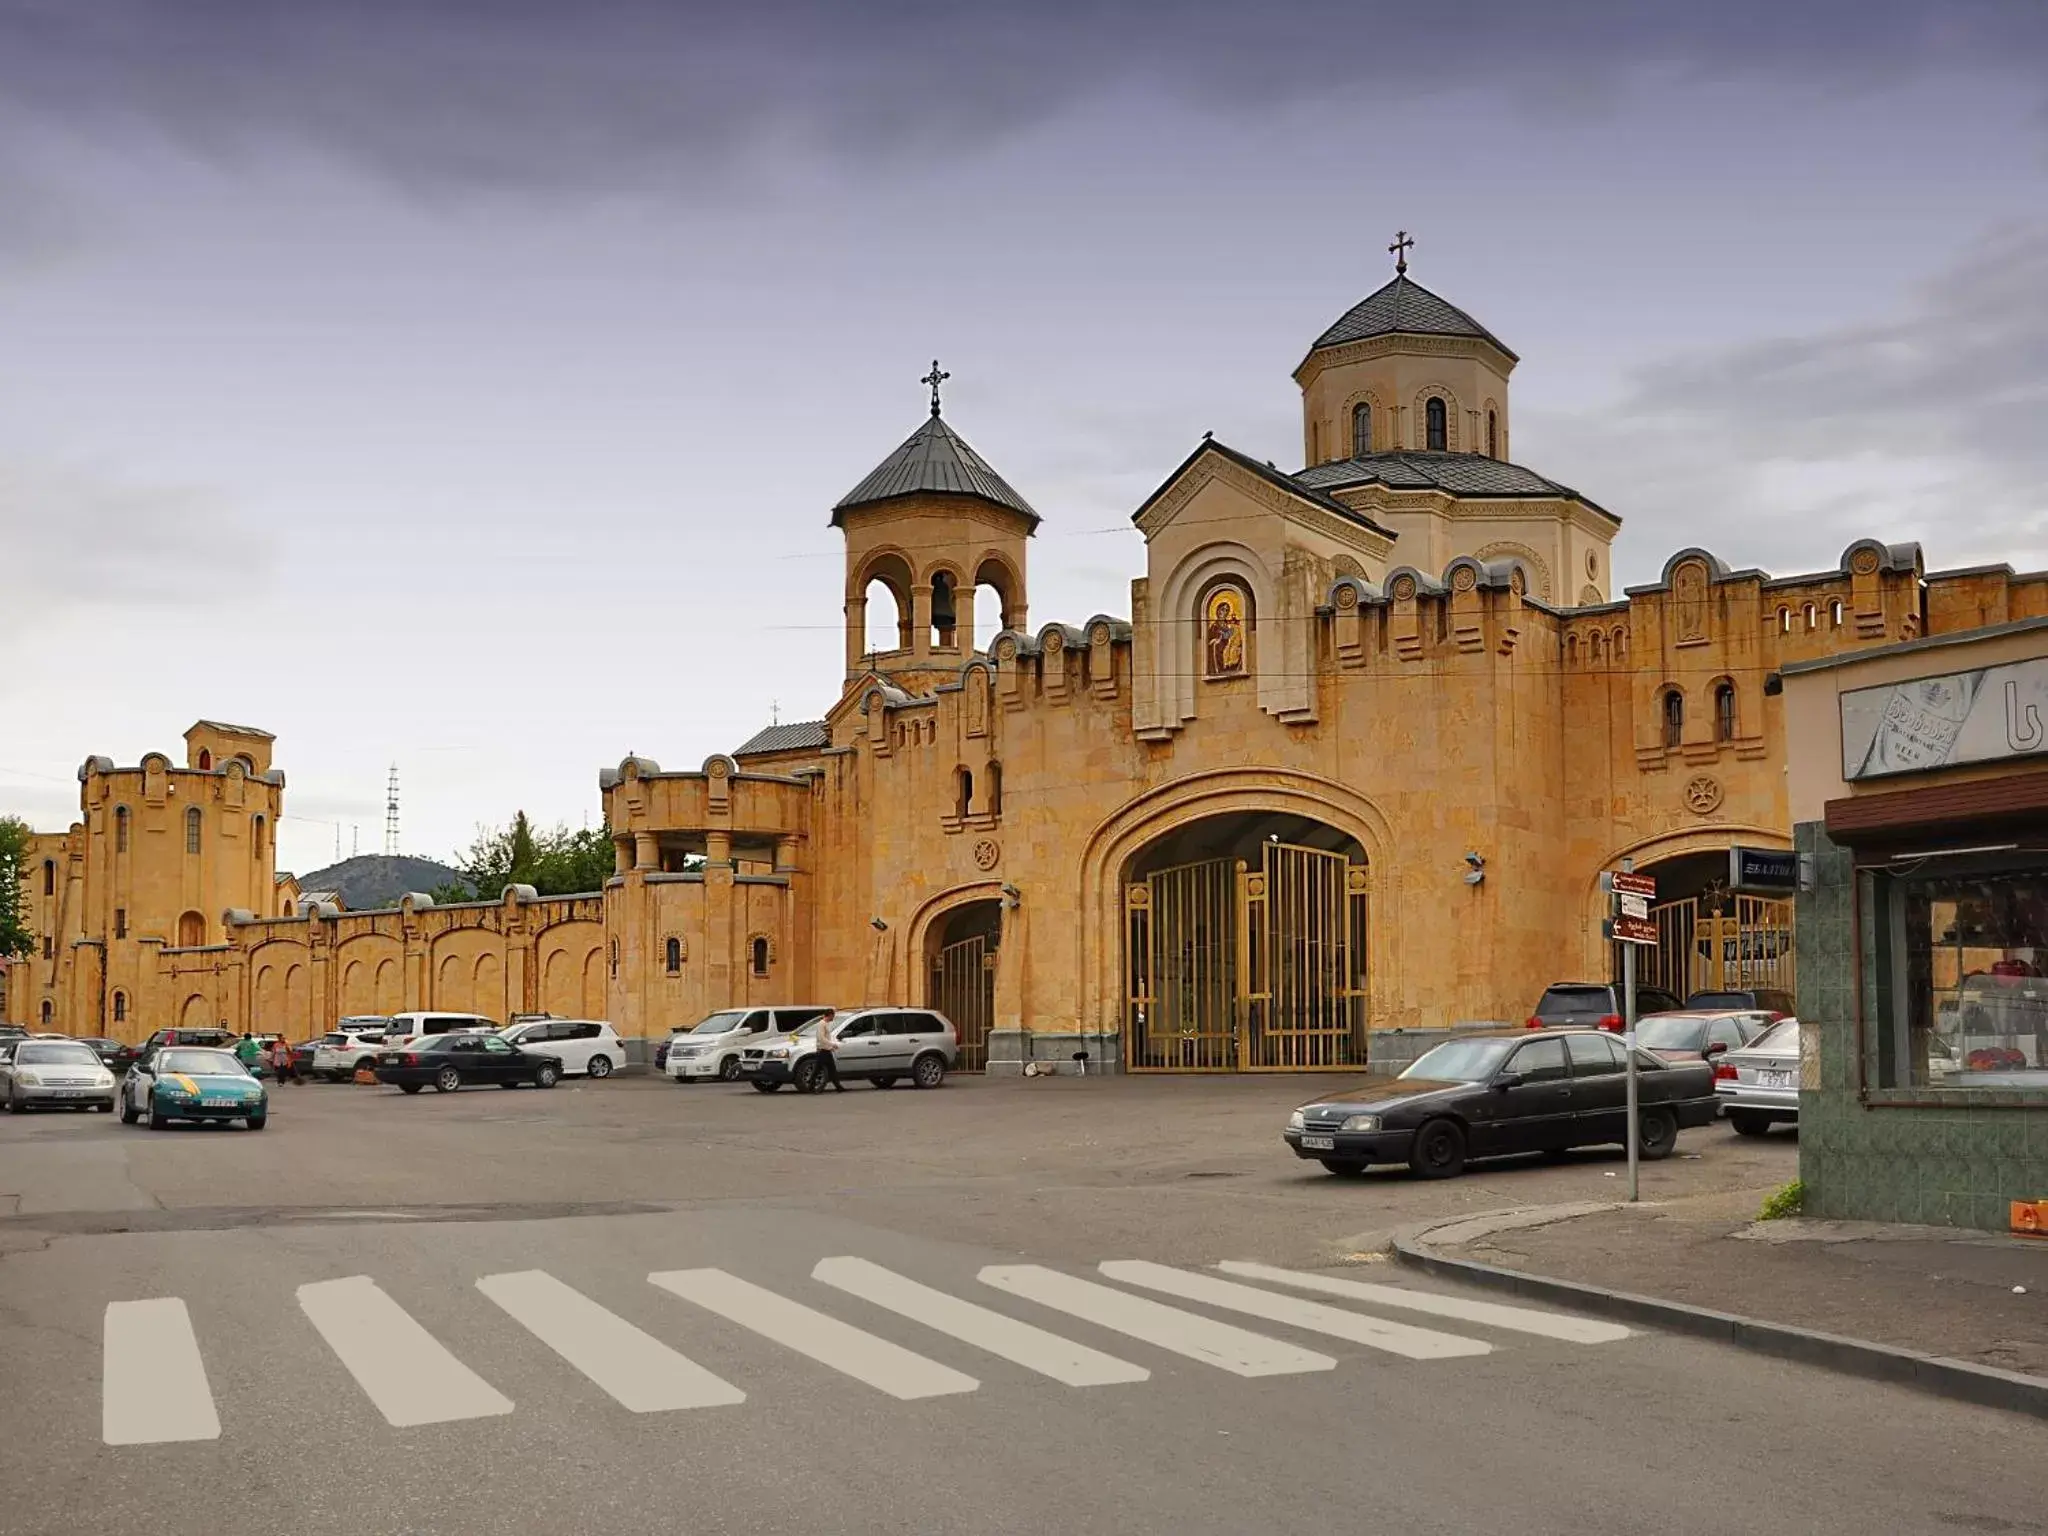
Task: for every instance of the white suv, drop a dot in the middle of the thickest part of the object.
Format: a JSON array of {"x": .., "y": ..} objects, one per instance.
[
  {"x": 589, "y": 1046},
  {"x": 349, "y": 1045},
  {"x": 712, "y": 1048}
]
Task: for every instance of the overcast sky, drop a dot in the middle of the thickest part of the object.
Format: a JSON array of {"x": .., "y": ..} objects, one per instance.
[{"x": 468, "y": 384}]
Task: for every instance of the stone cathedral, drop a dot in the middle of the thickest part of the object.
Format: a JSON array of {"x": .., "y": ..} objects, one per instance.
[{"x": 1353, "y": 761}]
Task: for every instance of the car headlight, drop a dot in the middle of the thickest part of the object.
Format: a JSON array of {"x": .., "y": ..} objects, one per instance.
[
  {"x": 28, "y": 1079},
  {"x": 104, "y": 1080},
  {"x": 1362, "y": 1123},
  {"x": 1296, "y": 1121}
]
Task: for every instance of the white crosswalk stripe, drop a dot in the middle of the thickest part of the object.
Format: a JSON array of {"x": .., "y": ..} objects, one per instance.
[
  {"x": 153, "y": 1385},
  {"x": 404, "y": 1370},
  {"x": 1021, "y": 1343},
  {"x": 1198, "y": 1338},
  {"x": 1545, "y": 1325},
  {"x": 1376, "y": 1333},
  {"x": 640, "y": 1372},
  {"x": 888, "y": 1367}
]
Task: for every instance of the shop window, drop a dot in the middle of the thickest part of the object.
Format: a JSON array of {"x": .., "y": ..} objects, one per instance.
[
  {"x": 120, "y": 1007},
  {"x": 1962, "y": 993}
]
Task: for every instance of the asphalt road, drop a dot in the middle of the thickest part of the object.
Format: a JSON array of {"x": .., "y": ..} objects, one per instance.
[{"x": 436, "y": 1315}]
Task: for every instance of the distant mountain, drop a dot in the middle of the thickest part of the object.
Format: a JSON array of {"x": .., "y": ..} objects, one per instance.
[{"x": 377, "y": 880}]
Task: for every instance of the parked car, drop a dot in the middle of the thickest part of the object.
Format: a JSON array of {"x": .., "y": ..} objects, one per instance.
[
  {"x": 207, "y": 1038},
  {"x": 1594, "y": 1005},
  {"x": 1486, "y": 1095},
  {"x": 181, "y": 1082},
  {"x": 1695, "y": 1035},
  {"x": 415, "y": 1026},
  {"x": 590, "y": 1047},
  {"x": 449, "y": 1061},
  {"x": 880, "y": 1045},
  {"x": 107, "y": 1050},
  {"x": 713, "y": 1047},
  {"x": 12, "y": 1032},
  {"x": 1758, "y": 1085},
  {"x": 64, "y": 1074},
  {"x": 1750, "y": 1000},
  {"x": 338, "y": 1053}
]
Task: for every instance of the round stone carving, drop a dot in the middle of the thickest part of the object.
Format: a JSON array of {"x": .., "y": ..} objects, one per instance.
[
  {"x": 1703, "y": 794},
  {"x": 1007, "y": 651},
  {"x": 1464, "y": 579},
  {"x": 988, "y": 853},
  {"x": 1404, "y": 589},
  {"x": 717, "y": 768},
  {"x": 1589, "y": 597},
  {"x": 1347, "y": 596},
  {"x": 1864, "y": 563},
  {"x": 1055, "y": 643},
  {"x": 1100, "y": 635}
]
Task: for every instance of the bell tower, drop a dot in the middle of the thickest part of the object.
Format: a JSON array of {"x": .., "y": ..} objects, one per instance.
[{"x": 930, "y": 525}]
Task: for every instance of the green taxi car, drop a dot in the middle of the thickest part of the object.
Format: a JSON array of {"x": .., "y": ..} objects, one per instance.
[{"x": 184, "y": 1083}]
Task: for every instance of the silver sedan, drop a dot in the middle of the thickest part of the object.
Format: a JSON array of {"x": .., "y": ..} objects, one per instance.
[
  {"x": 59, "y": 1073},
  {"x": 1758, "y": 1085}
]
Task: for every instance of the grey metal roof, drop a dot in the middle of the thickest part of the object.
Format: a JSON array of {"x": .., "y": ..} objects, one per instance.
[
  {"x": 1404, "y": 306},
  {"x": 796, "y": 736},
  {"x": 1459, "y": 474},
  {"x": 234, "y": 730},
  {"x": 934, "y": 458}
]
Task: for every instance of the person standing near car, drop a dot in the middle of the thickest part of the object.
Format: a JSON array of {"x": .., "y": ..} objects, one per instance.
[
  {"x": 828, "y": 1055},
  {"x": 247, "y": 1051},
  {"x": 280, "y": 1059}
]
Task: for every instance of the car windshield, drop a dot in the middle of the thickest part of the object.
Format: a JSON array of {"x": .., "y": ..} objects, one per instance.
[
  {"x": 1461, "y": 1061},
  {"x": 721, "y": 1023},
  {"x": 1782, "y": 1037},
  {"x": 56, "y": 1053},
  {"x": 200, "y": 1063},
  {"x": 1671, "y": 1032},
  {"x": 1573, "y": 1000}
]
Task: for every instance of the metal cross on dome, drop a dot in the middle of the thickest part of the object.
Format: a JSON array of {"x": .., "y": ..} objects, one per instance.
[
  {"x": 935, "y": 378},
  {"x": 1399, "y": 249}
]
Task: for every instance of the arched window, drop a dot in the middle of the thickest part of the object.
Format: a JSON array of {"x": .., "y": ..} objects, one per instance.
[
  {"x": 1811, "y": 617},
  {"x": 1620, "y": 644},
  {"x": 256, "y": 836},
  {"x": 1674, "y": 717},
  {"x": 963, "y": 791},
  {"x": 995, "y": 789},
  {"x": 1437, "y": 425},
  {"x": 1493, "y": 434},
  {"x": 48, "y": 1010},
  {"x": 760, "y": 956},
  {"x": 191, "y": 931},
  {"x": 205, "y": 760},
  {"x": 1835, "y": 613},
  {"x": 192, "y": 825},
  {"x": 1361, "y": 430},
  {"x": 120, "y": 829},
  {"x": 1724, "y": 712},
  {"x": 945, "y": 612},
  {"x": 673, "y": 956},
  {"x": 1571, "y": 650},
  {"x": 49, "y": 877},
  {"x": 120, "y": 1007},
  {"x": 1784, "y": 621}
]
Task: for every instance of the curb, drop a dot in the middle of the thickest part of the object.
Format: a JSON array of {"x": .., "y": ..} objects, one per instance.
[{"x": 1985, "y": 1385}]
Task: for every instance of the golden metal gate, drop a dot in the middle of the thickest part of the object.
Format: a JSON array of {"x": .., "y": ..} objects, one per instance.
[
  {"x": 1714, "y": 950},
  {"x": 964, "y": 990},
  {"x": 1229, "y": 968}
]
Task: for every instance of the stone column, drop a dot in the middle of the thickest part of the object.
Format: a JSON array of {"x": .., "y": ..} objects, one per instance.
[
  {"x": 921, "y": 620},
  {"x": 646, "y": 852},
  {"x": 856, "y": 631}
]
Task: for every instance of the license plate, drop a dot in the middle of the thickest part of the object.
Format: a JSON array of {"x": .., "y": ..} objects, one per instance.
[
  {"x": 1319, "y": 1143},
  {"x": 74, "y": 1093},
  {"x": 1774, "y": 1079},
  {"x": 220, "y": 1103}
]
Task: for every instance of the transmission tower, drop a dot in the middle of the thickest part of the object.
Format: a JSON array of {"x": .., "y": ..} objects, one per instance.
[{"x": 391, "y": 815}]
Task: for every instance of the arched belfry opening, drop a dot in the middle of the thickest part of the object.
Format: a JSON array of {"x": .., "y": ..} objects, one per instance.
[
  {"x": 1245, "y": 942},
  {"x": 960, "y": 971}
]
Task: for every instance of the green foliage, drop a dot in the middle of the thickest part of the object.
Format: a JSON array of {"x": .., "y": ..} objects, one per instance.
[
  {"x": 1788, "y": 1201},
  {"x": 15, "y": 939},
  {"x": 557, "y": 862}
]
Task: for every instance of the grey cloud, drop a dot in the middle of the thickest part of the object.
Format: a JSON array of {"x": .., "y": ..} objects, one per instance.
[
  {"x": 1927, "y": 426},
  {"x": 522, "y": 92}
]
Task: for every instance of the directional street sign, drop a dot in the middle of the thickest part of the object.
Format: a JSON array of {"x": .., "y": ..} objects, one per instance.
[
  {"x": 1632, "y": 930},
  {"x": 1636, "y": 906},
  {"x": 1628, "y": 883}
]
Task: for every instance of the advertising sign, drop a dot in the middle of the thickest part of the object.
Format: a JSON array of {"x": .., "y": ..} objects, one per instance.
[
  {"x": 1763, "y": 871},
  {"x": 1939, "y": 722}
]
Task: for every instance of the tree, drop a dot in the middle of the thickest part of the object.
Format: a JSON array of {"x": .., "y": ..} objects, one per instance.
[
  {"x": 557, "y": 862},
  {"x": 15, "y": 939}
]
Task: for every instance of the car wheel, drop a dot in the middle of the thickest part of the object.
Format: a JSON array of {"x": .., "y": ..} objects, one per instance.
[
  {"x": 885, "y": 1082},
  {"x": 129, "y": 1113},
  {"x": 410, "y": 1087},
  {"x": 1344, "y": 1167},
  {"x": 545, "y": 1075},
  {"x": 1748, "y": 1122},
  {"x": 805, "y": 1075},
  {"x": 766, "y": 1087},
  {"x": 158, "y": 1122},
  {"x": 729, "y": 1072},
  {"x": 447, "y": 1080},
  {"x": 257, "y": 1122},
  {"x": 928, "y": 1071},
  {"x": 1439, "y": 1151},
  {"x": 1656, "y": 1133},
  {"x": 600, "y": 1066}
]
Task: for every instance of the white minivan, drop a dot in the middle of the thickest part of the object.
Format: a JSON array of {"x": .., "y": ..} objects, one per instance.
[
  {"x": 588, "y": 1046},
  {"x": 401, "y": 1027},
  {"x": 712, "y": 1048}
]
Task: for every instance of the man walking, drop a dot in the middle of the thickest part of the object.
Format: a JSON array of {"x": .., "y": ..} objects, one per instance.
[
  {"x": 247, "y": 1051},
  {"x": 828, "y": 1054}
]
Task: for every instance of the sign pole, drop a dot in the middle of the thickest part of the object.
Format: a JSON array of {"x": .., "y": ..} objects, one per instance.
[{"x": 1628, "y": 1049}]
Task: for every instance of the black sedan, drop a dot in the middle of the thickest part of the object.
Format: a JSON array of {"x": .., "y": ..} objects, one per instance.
[
  {"x": 1494, "y": 1094},
  {"x": 449, "y": 1061}
]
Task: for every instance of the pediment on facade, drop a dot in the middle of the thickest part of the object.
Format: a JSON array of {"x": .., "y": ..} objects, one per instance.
[{"x": 1264, "y": 492}]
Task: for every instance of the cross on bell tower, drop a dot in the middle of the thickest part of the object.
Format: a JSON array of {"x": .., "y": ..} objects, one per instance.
[
  {"x": 1399, "y": 250},
  {"x": 935, "y": 378}
]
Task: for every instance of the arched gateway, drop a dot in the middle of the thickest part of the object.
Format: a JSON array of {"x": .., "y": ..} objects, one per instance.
[{"x": 1245, "y": 946}]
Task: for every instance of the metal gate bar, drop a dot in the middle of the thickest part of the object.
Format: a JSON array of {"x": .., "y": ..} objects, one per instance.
[{"x": 964, "y": 990}]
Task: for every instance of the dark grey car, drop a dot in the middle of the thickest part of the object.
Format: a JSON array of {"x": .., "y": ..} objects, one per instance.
[{"x": 1594, "y": 1005}]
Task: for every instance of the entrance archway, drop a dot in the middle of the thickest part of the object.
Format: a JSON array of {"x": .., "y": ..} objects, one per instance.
[
  {"x": 960, "y": 971},
  {"x": 1245, "y": 946},
  {"x": 1711, "y": 938}
]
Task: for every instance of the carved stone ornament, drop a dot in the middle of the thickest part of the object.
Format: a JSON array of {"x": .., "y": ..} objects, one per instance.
[
  {"x": 1703, "y": 794},
  {"x": 1055, "y": 643},
  {"x": 1099, "y": 635},
  {"x": 1864, "y": 563},
  {"x": 1592, "y": 564},
  {"x": 1006, "y": 651},
  {"x": 1589, "y": 596},
  {"x": 1689, "y": 590},
  {"x": 1404, "y": 589},
  {"x": 988, "y": 853},
  {"x": 1464, "y": 579},
  {"x": 1347, "y": 597}
]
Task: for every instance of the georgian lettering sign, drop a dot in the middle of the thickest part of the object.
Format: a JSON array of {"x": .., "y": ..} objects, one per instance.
[{"x": 1982, "y": 716}]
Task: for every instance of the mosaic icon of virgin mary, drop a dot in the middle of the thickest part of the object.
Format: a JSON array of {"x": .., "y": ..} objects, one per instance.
[{"x": 1223, "y": 632}]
